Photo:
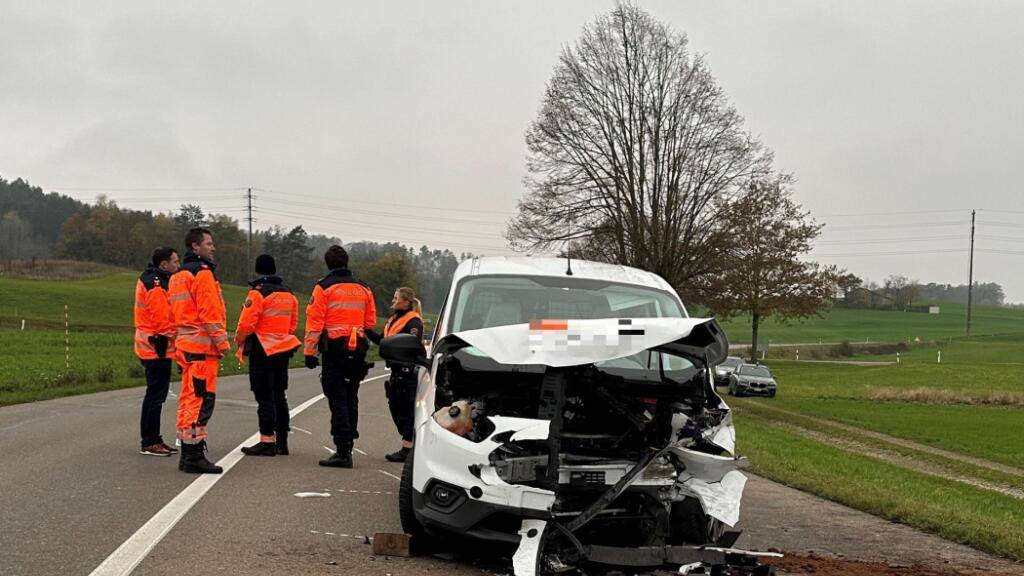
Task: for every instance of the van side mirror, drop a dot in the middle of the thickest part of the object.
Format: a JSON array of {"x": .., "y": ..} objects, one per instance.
[{"x": 404, "y": 348}]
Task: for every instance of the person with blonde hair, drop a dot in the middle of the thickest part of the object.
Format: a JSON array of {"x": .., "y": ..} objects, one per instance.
[{"x": 400, "y": 387}]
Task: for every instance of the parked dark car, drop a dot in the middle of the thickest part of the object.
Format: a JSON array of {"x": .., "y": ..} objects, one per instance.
[
  {"x": 752, "y": 380},
  {"x": 727, "y": 367}
]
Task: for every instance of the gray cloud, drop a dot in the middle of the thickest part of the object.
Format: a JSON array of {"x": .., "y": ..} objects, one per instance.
[{"x": 874, "y": 106}]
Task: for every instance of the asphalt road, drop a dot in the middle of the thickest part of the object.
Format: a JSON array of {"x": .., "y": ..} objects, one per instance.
[{"x": 73, "y": 488}]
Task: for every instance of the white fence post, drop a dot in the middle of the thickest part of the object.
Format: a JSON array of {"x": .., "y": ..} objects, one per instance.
[{"x": 67, "y": 341}]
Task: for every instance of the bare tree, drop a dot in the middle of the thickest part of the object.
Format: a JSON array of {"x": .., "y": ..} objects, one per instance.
[
  {"x": 635, "y": 153},
  {"x": 763, "y": 275}
]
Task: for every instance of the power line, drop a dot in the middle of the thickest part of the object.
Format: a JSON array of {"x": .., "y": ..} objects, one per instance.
[
  {"x": 897, "y": 253},
  {"x": 857, "y": 214},
  {"x": 352, "y": 201},
  {"x": 899, "y": 225},
  {"x": 390, "y": 231},
  {"x": 355, "y": 224},
  {"x": 887, "y": 240}
]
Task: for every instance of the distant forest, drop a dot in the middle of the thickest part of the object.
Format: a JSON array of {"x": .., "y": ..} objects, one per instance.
[{"x": 34, "y": 224}]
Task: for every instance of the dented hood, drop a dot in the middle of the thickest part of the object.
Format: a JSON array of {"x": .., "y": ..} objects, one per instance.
[{"x": 560, "y": 343}]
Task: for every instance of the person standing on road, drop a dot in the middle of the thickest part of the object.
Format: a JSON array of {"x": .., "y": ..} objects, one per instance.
[
  {"x": 202, "y": 340},
  {"x": 154, "y": 345},
  {"x": 400, "y": 387},
  {"x": 266, "y": 334},
  {"x": 340, "y": 310}
]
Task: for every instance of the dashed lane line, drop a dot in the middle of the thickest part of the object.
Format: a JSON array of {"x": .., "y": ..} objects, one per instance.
[
  {"x": 303, "y": 430},
  {"x": 362, "y": 537},
  {"x": 386, "y": 473},
  {"x": 134, "y": 550}
]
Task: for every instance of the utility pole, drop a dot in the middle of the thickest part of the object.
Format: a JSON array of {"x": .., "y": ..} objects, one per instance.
[
  {"x": 249, "y": 218},
  {"x": 970, "y": 277}
]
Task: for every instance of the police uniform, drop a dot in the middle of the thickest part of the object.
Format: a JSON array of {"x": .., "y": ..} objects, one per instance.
[
  {"x": 154, "y": 346},
  {"x": 266, "y": 334},
  {"x": 340, "y": 310},
  {"x": 400, "y": 387},
  {"x": 202, "y": 339}
]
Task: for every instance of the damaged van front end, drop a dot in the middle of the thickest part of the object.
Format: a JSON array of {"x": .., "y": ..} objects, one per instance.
[{"x": 579, "y": 443}]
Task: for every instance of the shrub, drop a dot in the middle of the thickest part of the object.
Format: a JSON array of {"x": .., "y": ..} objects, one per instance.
[
  {"x": 105, "y": 374},
  {"x": 842, "y": 350},
  {"x": 136, "y": 371},
  {"x": 66, "y": 378}
]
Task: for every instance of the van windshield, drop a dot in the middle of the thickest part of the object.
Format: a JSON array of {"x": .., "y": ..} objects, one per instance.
[{"x": 489, "y": 301}]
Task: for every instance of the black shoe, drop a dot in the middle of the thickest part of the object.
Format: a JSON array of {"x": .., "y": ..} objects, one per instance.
[
  {"x": 337, "y": 460},
  {"x": 398, "y": 456},
  {"x": 282, "y": 444},
  {"x": 260, "y": 449},
  {"x": 195, "y": 462},
  {"x": 342, "y": 458}
]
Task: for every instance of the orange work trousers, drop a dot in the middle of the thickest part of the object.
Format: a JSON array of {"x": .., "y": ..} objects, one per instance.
[{"x": 198, "y": 395}]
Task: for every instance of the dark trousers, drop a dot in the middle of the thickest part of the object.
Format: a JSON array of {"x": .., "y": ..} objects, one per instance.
[
  {"x": 400, "y": 389},
  {"x": 158, "y": 380},
  {"x": 268, "y": 380},
  {"x": 342, "y": 372}
]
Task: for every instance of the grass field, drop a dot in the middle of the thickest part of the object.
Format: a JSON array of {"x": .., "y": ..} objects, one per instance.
[
  {"x": 936, "y": 446},
  {"x": 101, "y": 332},
  {"x": 840, "y": 324}
]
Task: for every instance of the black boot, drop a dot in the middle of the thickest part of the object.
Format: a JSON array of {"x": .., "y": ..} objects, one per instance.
[
  {"x": 260, "y": 449},
  {"x": 340, "y": 459},
  {"x": 397, "y": 456},
  {"x": 282, "y": 443},
  {"x": 195, "y": 460}
]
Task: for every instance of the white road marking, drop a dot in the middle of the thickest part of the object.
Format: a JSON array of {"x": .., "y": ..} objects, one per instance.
[
  {"x": 360, "y": 451},
  {"x": 389, "y": 474},
  {"x": 329, "y": 449},
  {"x": 128, "y": 555},
  {"x": 363, "y": 538},
  {"x": 381, "y": 492},
  {"x": 304, "y": 431}
]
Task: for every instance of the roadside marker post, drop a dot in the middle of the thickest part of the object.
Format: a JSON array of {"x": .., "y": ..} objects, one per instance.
[
  {"x": 67, "y": 340},
  {"x": 897, "y": 357},
  {"x": 940, "y": 358}
]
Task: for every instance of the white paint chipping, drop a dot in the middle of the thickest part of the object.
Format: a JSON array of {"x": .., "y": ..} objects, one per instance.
[{"x": 130, "y": 554}]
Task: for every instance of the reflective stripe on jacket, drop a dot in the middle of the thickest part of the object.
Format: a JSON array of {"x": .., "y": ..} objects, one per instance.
[
  {"x": 198, "y": 308},
  {"x": 339, "y": 303},
  {"x": 271, "y": 313},
  {"x": 396, "y": 323},
  {"x": 152, "y": 313}
]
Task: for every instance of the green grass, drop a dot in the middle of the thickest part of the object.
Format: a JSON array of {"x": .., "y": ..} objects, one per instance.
[
  {"x": 840, "y": 324},
  {"x": 815, "y": 397},
  {"x": 956, "y": 511},
  {"x": 843, "y": 393}
]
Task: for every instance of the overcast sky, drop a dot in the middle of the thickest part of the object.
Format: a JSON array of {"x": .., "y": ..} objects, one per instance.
[{"x": 896, "y": 118}]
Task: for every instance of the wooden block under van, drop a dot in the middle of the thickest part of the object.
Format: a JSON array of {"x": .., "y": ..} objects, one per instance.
[{"x": 389, "y": 544}]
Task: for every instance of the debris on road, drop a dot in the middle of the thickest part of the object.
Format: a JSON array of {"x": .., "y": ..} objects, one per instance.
[{"x": 390, "y": 544}]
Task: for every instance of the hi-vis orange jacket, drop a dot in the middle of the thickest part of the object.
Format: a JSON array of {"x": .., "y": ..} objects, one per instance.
[
  {"x": 339, "y": 304},
  {"x": 396, "y": 323},
  {"x": 271, "y": 314},
  {"x": 152, "y": 313},
  {"x": 198, "y": 307}
]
